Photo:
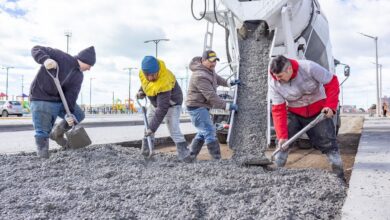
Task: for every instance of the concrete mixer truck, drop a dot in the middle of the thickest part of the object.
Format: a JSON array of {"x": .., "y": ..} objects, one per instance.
[{"x": 257, "y": 30}]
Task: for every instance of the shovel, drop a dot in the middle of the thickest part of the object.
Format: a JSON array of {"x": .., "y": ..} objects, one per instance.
[
  {"x": 286, "y": 144},
  {"x": 77, "y": 136},
  {"x": 146, "y": 123}
]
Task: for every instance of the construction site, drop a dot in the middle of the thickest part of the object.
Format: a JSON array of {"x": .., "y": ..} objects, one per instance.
[{"x": 111, "y": 179}]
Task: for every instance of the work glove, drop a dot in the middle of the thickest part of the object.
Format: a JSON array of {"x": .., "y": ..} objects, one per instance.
[
  {"x": 231, "y": 107},
  {"x": 148, "y": 133},
  {"x": 280, "y": 143},
  {"x": 70, "y": 119},
  {"x": 50, "y": 64},
  {"x": 141, "y": 95},
  {"x": 328, "y": 112},
  {"x": 235, "y": 82}
]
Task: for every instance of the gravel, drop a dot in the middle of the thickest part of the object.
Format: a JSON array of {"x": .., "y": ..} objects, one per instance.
[{"x": 114, "y": 182}]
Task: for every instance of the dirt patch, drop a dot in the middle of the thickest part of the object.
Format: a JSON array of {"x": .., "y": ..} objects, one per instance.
[{"x": 112, "y": 182}]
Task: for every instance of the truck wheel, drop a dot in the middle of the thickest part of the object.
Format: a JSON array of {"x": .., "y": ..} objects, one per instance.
[
  {"x": 4, "y": 114},
  {"x": 222, "y": 138}
]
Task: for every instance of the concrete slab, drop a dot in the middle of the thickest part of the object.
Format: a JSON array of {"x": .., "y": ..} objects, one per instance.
[{"x": 369, "y": 189}]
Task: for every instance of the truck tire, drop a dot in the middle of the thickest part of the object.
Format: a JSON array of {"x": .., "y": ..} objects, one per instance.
[{"x": 4, "y": 114}]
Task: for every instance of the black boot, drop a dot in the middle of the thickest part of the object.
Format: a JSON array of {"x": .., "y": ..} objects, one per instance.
[
  {"x": 214, "y": 150},
  {"x": 42, "y": 147},
  {"x": 183, "y": 154},
  {"x": 57, "y": 133},
  {"x": 195, "y": 147},
  {"x": 336, "y": 163}
]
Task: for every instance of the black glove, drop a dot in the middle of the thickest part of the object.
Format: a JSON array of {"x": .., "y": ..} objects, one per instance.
[
  {"x": 235, "y": 82},
  {"x": 141, "y": 95}
]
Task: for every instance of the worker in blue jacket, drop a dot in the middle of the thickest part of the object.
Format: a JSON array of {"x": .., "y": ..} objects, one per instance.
[{"x": 45, "y": 100}]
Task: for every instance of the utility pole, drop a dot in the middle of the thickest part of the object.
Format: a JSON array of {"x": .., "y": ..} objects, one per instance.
[
  {"x": 68, "y": 35},
  {"x": 6, "y": 82},
  {"x": 129, "y": 69},
  {"x": 22, "y": 89},
  {"x": 156, "y": 41},
  {"x": 90, "y": 94},
  {"x": 378, "y": 103}
]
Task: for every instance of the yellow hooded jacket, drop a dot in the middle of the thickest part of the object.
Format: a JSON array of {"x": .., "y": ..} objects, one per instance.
[{"x": 165, "y": 81}]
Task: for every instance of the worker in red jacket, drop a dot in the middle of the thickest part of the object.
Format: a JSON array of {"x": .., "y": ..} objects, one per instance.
[{"x": 300, "y": 90}]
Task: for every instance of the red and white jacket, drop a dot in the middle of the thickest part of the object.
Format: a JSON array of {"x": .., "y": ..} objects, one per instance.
[{"x": 310, "y": 89}]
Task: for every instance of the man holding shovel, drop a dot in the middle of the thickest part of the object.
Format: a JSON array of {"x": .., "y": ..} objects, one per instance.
[
  {"x": 160, "y": 86},
  {"x": 306, "y": 89},
  {"x": 45, "y": 100}
]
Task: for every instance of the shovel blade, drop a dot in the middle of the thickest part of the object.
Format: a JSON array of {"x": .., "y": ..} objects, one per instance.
[{"x": 78, "y": 138}]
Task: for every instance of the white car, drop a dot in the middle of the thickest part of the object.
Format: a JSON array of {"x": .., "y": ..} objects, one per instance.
[{"x": 11, "y": 108}]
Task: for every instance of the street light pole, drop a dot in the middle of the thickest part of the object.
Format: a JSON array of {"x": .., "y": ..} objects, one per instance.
[
  {"x": 378, "y": 103},
  {"x": 6, "y": 82},
  {"x": 90, "y": 94},
  {"x": 68, "y": 34},
  {"x": 129, "y": 69},
  {"x": 156, "y": 41}
]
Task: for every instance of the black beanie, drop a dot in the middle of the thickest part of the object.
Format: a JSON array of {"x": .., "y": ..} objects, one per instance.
[{"x": 87, "y": 56}]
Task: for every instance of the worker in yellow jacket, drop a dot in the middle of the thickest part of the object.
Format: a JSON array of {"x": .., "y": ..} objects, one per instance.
[{"x": 160, "y": 86}]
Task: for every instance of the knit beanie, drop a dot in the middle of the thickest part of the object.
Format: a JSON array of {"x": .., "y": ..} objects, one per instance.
[
  {"x": 87, "y": 56},
  {"x": 150, "y": 65}
]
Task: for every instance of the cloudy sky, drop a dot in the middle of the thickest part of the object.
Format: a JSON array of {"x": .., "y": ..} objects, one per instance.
[{"x": 119, "y": 28}]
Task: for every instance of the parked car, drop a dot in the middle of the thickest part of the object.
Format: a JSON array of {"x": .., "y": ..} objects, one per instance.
[{"x": 11, "y": 108}]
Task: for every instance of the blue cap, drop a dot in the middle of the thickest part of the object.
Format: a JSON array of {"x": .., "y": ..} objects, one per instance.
[{"x": 150, "y": 65}]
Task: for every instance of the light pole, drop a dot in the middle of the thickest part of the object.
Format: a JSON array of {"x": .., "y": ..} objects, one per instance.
[
  {"x": 156, "y": 41},
  {"x": 68, "y": 34},
  {"x": 378, "y": 103},
  {"x": 90, "y": 94},
  {"x": 129, "y": 69},
  {"x": 6, "y": 82}
]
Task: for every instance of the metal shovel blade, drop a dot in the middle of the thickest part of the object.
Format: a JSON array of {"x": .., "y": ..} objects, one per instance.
[{"x": 78, "y": 137}]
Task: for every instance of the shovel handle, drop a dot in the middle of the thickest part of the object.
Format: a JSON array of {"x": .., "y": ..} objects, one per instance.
[{"x": 313, "y": 123}]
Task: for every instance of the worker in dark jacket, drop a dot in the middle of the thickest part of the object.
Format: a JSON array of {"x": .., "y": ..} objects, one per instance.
[
  {"x": 159, "y": 84},
  {"x": 45, "y": 100}
]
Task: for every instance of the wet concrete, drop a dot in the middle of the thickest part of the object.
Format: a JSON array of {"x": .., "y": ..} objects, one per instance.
[
  {"x": 113, "y": 182},
  {"x": 248, "y": 138}
]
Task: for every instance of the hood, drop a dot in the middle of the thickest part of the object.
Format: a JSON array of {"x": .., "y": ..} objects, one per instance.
[{"x": 196, "y": 65}]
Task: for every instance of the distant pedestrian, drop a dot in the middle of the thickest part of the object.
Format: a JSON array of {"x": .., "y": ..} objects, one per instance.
[
  {"x": 202, "y": 96},
  {"x": 46, "y": 103},
  {"x": 385, "y": 108},
  {"x": 162, "y": 89}
]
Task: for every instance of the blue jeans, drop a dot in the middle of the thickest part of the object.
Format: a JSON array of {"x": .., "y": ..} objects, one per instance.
[
  {"x": 44, "y": 115},
  {"x": 200, "y": 118}
]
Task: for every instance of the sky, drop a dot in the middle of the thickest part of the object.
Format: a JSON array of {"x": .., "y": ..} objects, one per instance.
[{"x": 119, "y": 28}]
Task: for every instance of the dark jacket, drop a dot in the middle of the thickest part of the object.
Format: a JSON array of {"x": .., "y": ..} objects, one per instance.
[
  {"x": 202, "y": 89},
  {"x": 43, "y": 87},
  {"x": 162, "y": 102}
]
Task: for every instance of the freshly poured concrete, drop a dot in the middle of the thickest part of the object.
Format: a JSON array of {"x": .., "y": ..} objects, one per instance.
[
  {"x": 112, "y": 182},
  {"x": 369, "y": 187}
]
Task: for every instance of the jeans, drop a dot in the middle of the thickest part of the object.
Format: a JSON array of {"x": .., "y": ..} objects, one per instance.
[
  {"x": 44, "y": 115},
  {"x": 200, "y": 118},
  {"x": 172, "y": 120},
  {"x": 322, "y": 136}
]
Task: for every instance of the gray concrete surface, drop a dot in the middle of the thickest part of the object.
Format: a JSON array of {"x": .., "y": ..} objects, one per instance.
[
  {"x": 369, "y": 187},
  {"x": 18, "y": 141}
]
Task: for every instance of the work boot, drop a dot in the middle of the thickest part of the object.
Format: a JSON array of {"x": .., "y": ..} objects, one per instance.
[
  {"x": 57, "y": 133},
  {"x": 281, "y": 158},
  {"x": 42, "y": 147},
  {"x": 336, "y": 163},
  {"x": 214, "y": 150},
  {"x": 145, "y": 147},
  {"x": 195, "y": 147},
  {"x": 183, "y": 154}
]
